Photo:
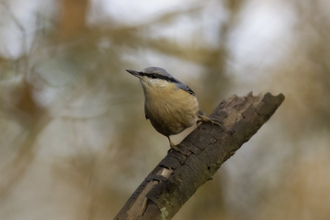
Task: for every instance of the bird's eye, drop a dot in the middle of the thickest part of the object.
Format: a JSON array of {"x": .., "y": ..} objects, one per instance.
[{"x": 153, "y": 76}]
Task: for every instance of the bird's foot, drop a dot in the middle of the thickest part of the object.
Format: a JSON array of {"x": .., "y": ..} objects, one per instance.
[
  {"x": 174, "y": 148},
  {"x": 204, "y": 119}
]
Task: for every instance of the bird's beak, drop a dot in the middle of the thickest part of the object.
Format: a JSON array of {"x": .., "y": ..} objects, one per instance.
[{"x": 134, "y": 73}]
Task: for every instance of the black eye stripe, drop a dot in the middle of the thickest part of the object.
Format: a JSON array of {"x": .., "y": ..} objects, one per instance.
[{"x": 157, "y": 76}]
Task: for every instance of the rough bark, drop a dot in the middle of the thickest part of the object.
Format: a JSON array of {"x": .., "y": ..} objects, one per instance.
[{"x": 177, "y": 177}]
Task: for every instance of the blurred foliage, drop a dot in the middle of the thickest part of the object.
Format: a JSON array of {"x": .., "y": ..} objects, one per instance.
[{"x": 74, "y": 140}]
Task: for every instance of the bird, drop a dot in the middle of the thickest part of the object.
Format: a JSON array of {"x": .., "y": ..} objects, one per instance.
[{"x": 170, "y": 105}]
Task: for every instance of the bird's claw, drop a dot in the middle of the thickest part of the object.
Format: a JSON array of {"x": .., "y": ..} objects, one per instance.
[
  {"x": 174, "y": 148},
  {"x": 204, "y": 119}
]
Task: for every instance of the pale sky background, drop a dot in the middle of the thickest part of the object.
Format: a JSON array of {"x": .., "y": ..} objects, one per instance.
[{"x": 265, "y": 25}]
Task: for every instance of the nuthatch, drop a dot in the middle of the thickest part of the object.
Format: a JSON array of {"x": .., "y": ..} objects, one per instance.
[{"x": 170, "y": 105}]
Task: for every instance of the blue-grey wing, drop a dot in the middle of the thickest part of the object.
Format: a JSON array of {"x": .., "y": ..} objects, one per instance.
[{"x": 185, "y": 88}]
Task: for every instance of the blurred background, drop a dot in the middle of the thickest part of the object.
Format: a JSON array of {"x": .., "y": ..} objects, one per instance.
[{"x": 74, "y": 143}]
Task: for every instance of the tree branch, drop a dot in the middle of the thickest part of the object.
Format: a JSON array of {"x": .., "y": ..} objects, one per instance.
[{"x": 177, "y": 177}]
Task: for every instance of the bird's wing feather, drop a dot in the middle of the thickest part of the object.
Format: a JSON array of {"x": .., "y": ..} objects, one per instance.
[{"x": 185, "y": 88}]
